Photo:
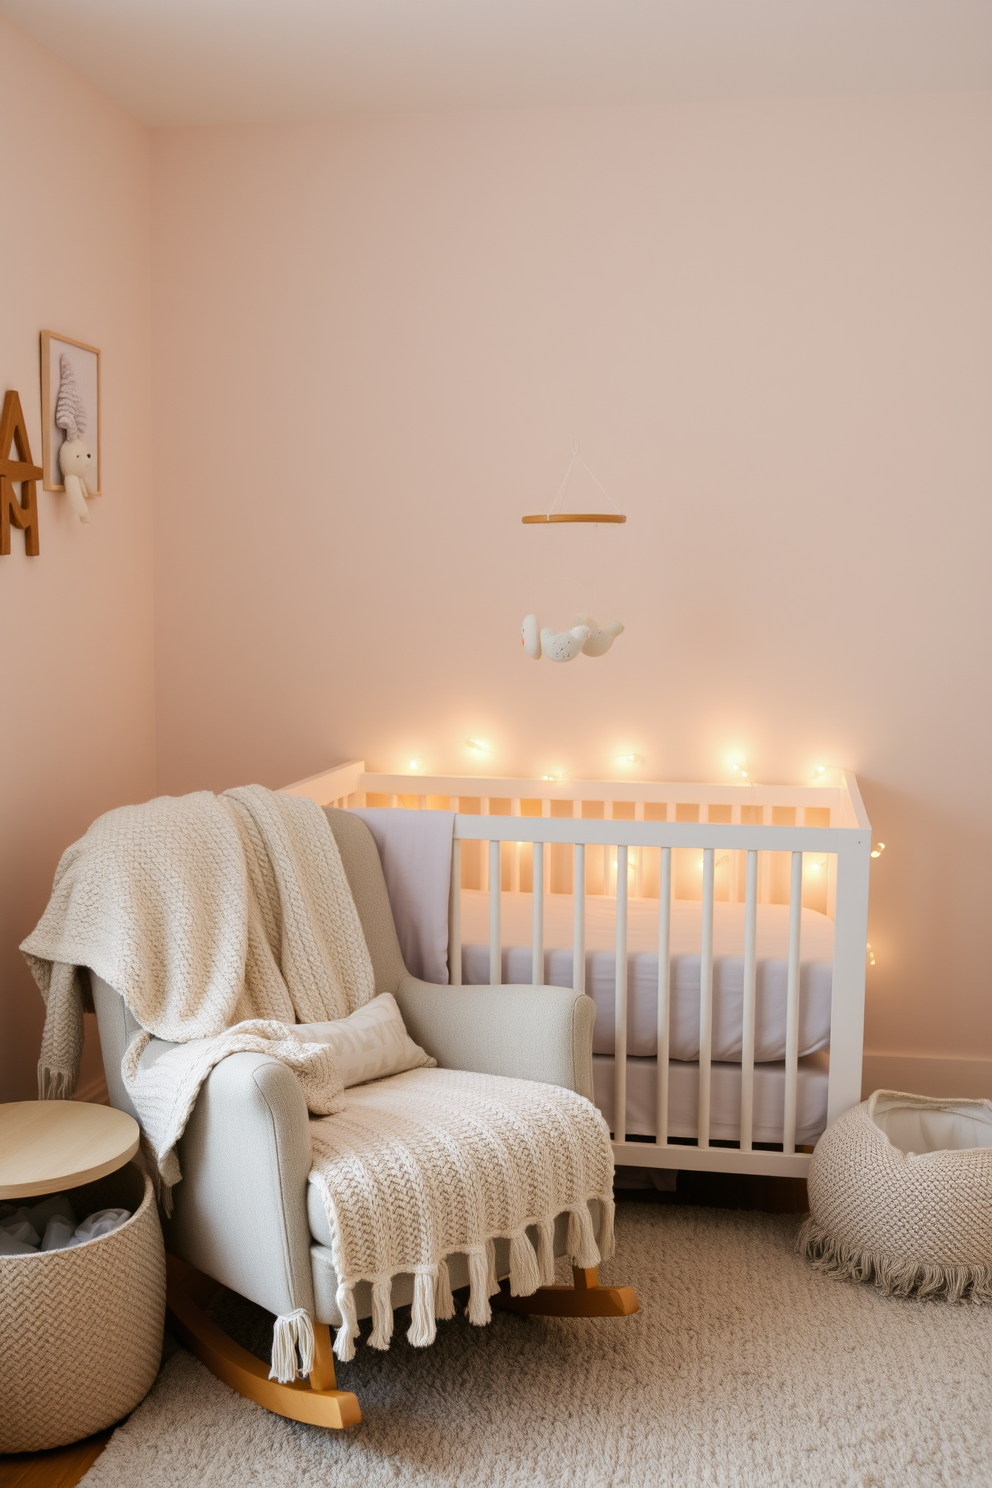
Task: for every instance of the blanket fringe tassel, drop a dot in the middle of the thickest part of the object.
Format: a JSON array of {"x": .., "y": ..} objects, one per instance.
[
  {"x": 478, "y": 1310},
  {"x": 382, "y": 1313},
  {"x": 525, "y": 1273},
  {"x": 607, "y": 1237},
  {"x": 432, "y": 1295},
  {"x": 423, "y": 1329},
  {"x": 581, "y": 1242},
  {"x": 289, "y": 1333},
  {"x": 546, "y": 1251},
  {"x": 54, "y": 1084},
  {"x": 894, "y": 1277},
  {"x": 344, "y": 1342},
  {"x": 444, "y": 1302}
]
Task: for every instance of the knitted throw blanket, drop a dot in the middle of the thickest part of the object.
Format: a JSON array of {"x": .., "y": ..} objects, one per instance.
[
  {"x": 436, "y": 1161},
  {"x": 202, "y": 912}
]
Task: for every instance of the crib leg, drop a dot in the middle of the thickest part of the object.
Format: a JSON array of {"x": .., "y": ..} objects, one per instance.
[
  {"x": 586, "y": 1298},
  {"x": 318, "y": 1403}
]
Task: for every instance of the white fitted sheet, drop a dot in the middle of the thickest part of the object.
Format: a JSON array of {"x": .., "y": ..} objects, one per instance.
[
  {"x": 725, "y": 1099},
  {"x": 816, "y": 969}
]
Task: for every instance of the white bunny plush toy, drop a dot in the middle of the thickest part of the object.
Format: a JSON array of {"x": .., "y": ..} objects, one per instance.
[{"x": 75, "y": 460}]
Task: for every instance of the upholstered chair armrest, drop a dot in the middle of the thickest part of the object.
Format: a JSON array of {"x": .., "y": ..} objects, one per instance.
[
  {"x": 240, "y": 1211},
  {"x": 531, "y": 1033}
]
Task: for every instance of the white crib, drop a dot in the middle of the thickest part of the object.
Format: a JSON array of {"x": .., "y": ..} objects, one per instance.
[{"x": 739, "y": 1059}]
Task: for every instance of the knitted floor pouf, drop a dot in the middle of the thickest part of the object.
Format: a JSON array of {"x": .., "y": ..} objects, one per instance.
[{"x": 900, "y": 1194}]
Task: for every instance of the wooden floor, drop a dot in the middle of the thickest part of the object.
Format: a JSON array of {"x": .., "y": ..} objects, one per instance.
[{"x": 63, "y": 1467}]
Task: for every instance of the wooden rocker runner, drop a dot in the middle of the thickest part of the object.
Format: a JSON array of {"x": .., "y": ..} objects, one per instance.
[{"x": 319, "y": 1402}]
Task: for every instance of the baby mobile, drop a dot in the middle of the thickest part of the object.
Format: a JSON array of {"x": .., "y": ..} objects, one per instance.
[{"x": 585, "y": 635}]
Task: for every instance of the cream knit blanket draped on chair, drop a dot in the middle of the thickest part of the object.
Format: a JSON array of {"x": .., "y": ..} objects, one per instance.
[
  {"x": 222, "y": 921},
  {"x": 436, "y": 1161}
]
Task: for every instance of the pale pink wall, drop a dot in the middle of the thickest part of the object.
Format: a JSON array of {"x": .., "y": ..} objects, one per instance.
[
  {"x": 76, "y": 686},
  {"x": 770, "y": 325}
]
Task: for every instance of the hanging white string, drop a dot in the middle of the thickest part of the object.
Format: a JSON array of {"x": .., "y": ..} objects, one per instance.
[{"x": 568, "y": 473}]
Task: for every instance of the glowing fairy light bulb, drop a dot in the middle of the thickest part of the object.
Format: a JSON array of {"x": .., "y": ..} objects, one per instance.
[
  {"x": 415, "y": 765},
  {"x": 878, "y": 849},
  {"x": 871, "y": 955},
  {"x": 479, "y": 746},
  {"x": 630, "y": 759}
]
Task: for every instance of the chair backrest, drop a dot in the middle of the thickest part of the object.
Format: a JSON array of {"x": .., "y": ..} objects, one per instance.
[
  {"x": 360, "y": 858},
  {"x": 363, "y": 869}
]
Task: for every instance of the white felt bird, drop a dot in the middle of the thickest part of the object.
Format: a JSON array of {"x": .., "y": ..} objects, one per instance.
[
  {"x": 530, "y": 637},
  {"x": 599, "y": 641},
  {"x": 564, "y": 645}
]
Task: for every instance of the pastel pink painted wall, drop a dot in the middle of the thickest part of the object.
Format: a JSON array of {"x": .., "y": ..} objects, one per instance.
[
  {"x": 769, "y": 325},
  {"x": 76, "y": 684}
]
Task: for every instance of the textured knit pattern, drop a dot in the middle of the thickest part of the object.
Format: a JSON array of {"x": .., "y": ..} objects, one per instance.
[
  {"x": 201, "y": 911},
  {"x": 70, "y": 410},
  {"x": 81, "y": 1329},
  {"x": 439, "y": 1161},
  {"x": 370, "y": 1044},
  {"x": 911, "y": 1225},
  {"x": 163, "y": 1083}
]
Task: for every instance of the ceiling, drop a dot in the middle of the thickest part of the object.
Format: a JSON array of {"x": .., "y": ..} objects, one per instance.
[{"x": 174, "y": 62}]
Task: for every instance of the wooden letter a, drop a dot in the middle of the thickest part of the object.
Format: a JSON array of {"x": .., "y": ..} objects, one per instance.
[{"x": 23, "y": 513}]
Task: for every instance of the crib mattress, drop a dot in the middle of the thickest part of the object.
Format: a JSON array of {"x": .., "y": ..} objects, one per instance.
[
  {"x": 725, "y": 1099},
  {"x": 816, "y": 969}
]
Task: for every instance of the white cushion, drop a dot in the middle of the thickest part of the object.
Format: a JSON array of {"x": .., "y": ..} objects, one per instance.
[{"x": 371, "y": 1043}]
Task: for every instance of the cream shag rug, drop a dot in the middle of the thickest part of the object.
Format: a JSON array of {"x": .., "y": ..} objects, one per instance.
[{"x": 744, "y": 1367}]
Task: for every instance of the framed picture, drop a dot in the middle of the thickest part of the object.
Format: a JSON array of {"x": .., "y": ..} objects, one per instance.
[{"x": 72, "y": 369}]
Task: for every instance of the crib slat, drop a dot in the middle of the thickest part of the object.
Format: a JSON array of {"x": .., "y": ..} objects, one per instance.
[
  {"x": 495, "y": 947},
  {"x": 792, "y": 1006},
  {"x": 664, "y": 991},
  {"x": 537, "y": 941},
  {"x": 515, "y": 860},
  {"x": 483, "y": 861},
  {"x": 455, "y": 916},
  {"x": 620, "y": 1046},
  {"x": 639, "y": 869},
  {"x": 747, "y": 1030},
  {"x": 579, "y": 917},
  {"x": 706, "y": 1000}
]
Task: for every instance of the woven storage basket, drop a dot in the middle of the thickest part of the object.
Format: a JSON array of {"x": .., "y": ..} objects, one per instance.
[
  {"x": 900, "y": 1194},
  {"x": 81, "y": 1329}
]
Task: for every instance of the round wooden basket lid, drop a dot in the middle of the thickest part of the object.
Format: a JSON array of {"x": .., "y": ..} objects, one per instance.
[{"x": 47, "y": 1145}]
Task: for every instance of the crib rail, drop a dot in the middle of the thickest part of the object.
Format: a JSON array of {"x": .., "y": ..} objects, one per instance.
[
  {"x": 851, "y": 849},
  {"x": 820, "y": 831}
]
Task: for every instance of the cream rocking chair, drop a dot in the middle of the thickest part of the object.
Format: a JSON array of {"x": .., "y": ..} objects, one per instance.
[{"x": 245, "y": 1216}]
